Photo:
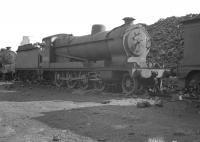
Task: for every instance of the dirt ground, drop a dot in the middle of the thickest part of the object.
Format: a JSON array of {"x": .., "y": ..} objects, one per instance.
[{"x": 48, "y": 114}]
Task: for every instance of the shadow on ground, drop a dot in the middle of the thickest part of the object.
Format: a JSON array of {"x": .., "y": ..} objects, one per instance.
[
  {"x": 127, "y": 124},
  {"x": 48, "y": 93}
]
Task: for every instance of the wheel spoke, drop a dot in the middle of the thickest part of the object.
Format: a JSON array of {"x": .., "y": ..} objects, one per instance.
[
  {"x": 99, "y": 85},
  {"x": 71, "y": 83},
  {"x": 58, "y": 81},
  {"x": 128, "y": 84},
  {"x": 84, "y": 82}
]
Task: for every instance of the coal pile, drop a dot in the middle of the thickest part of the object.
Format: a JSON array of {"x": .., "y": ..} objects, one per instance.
[{"x": 167, "y": 41}]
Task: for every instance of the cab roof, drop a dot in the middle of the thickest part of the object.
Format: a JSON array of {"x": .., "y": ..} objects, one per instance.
[{"x": 192, "y": 20}]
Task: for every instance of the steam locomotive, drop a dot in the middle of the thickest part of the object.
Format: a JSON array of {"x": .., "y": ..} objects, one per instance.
[
  {"x": 102, "y": 58},
  {"x": 7, "y": 63}
]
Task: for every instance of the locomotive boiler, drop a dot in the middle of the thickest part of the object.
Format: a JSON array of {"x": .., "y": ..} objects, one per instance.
[
  {"x": 102, "y": 58},
  {"x": 116, "y": 46}
]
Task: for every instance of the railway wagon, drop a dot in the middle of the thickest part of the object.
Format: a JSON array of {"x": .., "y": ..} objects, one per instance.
[
  {"x": 190, "y": 67},
  {"x": 102, "y": 58}
]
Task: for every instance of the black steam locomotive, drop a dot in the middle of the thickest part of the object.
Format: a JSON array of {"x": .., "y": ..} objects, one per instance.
[
  {"x": 116, "y": 57},
  {"x": 7, "y": 63}
]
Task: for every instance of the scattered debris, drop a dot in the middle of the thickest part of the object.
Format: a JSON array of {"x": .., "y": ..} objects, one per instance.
[
  {"x": 131, "y": 101},
  {"x": 184, "y": 132},
  {"x": 41, "y": 129},
  {"x": 56, "y": 138},
  {"x": 158, "y": 102},
  {"x": 180, "y": 97},
  {"x": 120, "y": 126},
  {"x": 143, "y": 104},
  {"x": 179, "y": 134},
  {"x": 101, "y": 140},
  {"x": 131, "y": 133},
  {"x": 9, "y": 86},
  {"x": 189, "y": 93},
  {"x": 7, "y": 131},
  {"x": 106, "y": 102},
  {"x": 26, "y": 93},
  {"x": 156, "y": 139},
  {"x": 64, "y": 131}
]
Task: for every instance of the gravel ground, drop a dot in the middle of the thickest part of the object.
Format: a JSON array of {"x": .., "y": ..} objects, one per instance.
[{"x": 48, "y": 114}]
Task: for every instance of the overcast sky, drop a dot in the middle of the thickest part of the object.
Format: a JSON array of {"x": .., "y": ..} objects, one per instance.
[{"x": 40, "y": 18}]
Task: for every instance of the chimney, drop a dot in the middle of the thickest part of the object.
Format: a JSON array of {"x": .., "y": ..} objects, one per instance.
[
  {"x": 98, "y": 28},
  {"x": 8, "y": 48},
  {"x": 128, "y": 20}
]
